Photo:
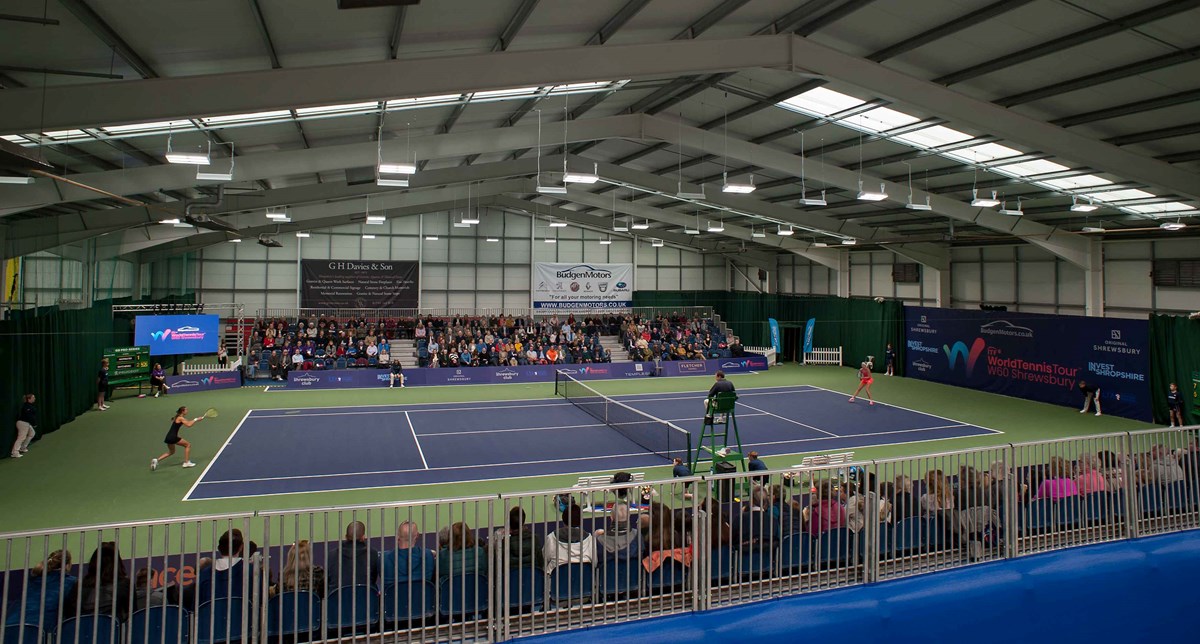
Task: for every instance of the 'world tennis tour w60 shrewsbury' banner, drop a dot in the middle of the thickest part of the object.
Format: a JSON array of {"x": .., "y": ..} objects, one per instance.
[
  {"x": 343, "y": 284},
  {"x": 1038, "y": 357},
  {"x": 582, "y": 286}
]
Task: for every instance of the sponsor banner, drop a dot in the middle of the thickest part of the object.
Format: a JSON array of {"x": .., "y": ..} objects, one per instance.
[
  {"x": 775, "y": 342},
  {"x": 346, "y": 378},
  {"x": 204, "y": 382},
  {"x": 348, "y": 284},
  {"x": 582, "y": 286},
  {"x": 808, "y": 334},
  {"x": 1033, "y": 356},
  {"x": 169, "y": 335}
]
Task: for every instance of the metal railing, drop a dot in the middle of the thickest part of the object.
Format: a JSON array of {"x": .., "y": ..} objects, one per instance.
[{"x": 497, "y": 567}]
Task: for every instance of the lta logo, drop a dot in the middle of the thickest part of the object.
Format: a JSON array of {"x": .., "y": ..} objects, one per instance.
[{"x": 959, "y": 350}]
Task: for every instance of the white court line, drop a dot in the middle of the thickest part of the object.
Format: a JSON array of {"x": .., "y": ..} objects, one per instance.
[
  {"x": 894, "y": 431},
  {"x": 923, "y": 413},
  {"x": 407, "y": 411},
  {"x": 216, "y": 456},
  {"x": 795, "y": 422},
  {"x": 416, "y": 440},
  {"x": 448, "y": 467},
  {"x": 516, "y": 429}
]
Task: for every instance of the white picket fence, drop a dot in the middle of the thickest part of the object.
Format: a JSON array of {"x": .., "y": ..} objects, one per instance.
[
  {"x": 769, "y": 352},
  {"x": 824, "y": 356},
  {"x": 188, "y": 369}
]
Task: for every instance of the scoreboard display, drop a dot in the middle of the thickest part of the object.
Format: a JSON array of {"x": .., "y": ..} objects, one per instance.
[{"x": 127, "y": 365}]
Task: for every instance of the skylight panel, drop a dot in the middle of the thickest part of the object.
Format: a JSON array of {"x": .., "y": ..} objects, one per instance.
[
  {"x": 1075, "y": 183},
  {"x": 420, "y": 101},
  {"x": 933, "y": 137},
  {"x": 246, "y": 118},
  {"x": 1031, "y": 168},
  {"x": 880, "y": 119},
  {"x": 66, "y": 135},
  {"x": 821, "y": 102},
  {"x": 1120, "y": 195},
  {"x": 505, "y": 93},
  {"x": 1151, "y": 209},
  {"x": 153, "y": 126},
  {"x": 575, "y": 87},
  {"x": 14, "y": 138},
  {"x": 337, "y": 109},
  {"x": 983, "y": 153}
]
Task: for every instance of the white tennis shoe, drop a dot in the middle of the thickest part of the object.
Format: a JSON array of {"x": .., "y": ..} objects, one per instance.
[
  {"x": 153, "y": 464},
  {"x": 189, "y": 464}
]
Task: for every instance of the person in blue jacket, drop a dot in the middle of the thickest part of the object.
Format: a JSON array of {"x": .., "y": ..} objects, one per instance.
[{"x": 45, "y": 587}]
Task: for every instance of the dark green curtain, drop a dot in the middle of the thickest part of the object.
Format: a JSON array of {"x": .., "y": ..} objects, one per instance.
[
  {"x": 54, "y": 355},
  {"x": 860, "y": 326},
  {"x": 1174, "y": 357}
]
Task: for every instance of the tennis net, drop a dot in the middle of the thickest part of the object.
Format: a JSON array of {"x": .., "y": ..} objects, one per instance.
[{"x": 653, "y": 434}]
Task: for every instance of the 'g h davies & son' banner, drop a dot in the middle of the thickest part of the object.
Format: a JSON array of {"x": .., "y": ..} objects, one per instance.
[
  {"x": 582, "y": 286},
  {"x": 345, "y": 284},
  {"x": 1032, "y": 356}
]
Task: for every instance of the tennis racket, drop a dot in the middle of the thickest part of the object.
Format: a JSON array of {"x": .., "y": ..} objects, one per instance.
[{"x": 211, "y": 412}]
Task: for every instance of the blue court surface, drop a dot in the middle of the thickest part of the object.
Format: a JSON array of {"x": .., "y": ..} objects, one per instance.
[{"x": 287, "y": 451}]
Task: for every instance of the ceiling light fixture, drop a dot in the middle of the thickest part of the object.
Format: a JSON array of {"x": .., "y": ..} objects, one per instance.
[
  {"x": 188, "y": 158},
  {"x": 983, "y": 202},
  {"x": 849, "y": 242},
  {"x": 757, "y": 233},
  {"x": 390, "y": 182},
  {"x": 431, "y": 237},
  {"x": 737, "y": 188},
  {"x": 581, "y": 177},
  {"x": 805, "y": 200},
  {"x": 545, "y": 190},
  {"x": 170, "y": 221},
  {"x": 558, "y": 224},
  {"x": 644, "y": 225},
  {"x": 235, "y": 241},
  {"x": 871, "y": 195},
  {"x": 277, "y": 213},
  {"x": 210, "y": 175},
  {"x": 657, "y": 243},
  {"x": 911, "y": 205},
  {"x": 406, "y": 167},
  {"x": 718, "y": 227},
  {"x": 551, "y": 240},
  {"x": 1005, "y": 210},
  {"x": 820, "y": 245},
  {"x": 368, "y": 236},
  {"x": 302, "y": 235},
  {"x": 1173, "y": 226},
  {"x": 1093, "y": 229},
  {"x": 492, "y": 240},
  {"x": 1076, "y": 206},
  {"x": 16, "y": 181},
  {"x": 376, "y": 219},
  {"x": 785, "y": 232},
  {"x": 606, "y": 241}
]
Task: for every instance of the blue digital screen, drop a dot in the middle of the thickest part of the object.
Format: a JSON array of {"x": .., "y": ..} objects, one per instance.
[{"x": 177, "y": 334}]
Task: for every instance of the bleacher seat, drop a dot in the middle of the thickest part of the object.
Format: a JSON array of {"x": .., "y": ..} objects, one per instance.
[
  {"x": 290, "y": 614},
  {"x": 526, "y": 588},
  {"x": 795, "y": 552},
  {"x": 350, "y": 608},
  {"x": 755, "y": 563},
  {"x": 22, "y": 634},
  {"x": 341, "y": 363},
  {"x": 360, "y": 363},
  {"x": 619, "y": 577},
  {"x": 836, "y": 547},
  {"x": 405, "y": 602},
  {"x": 160, "y": 624},
  {"x": 908, "y": 536},
  {"x": 219, "y": 620},
  {"x": 1070, "y": 512},
  {"x": 571, "y": 582},
  {"x": 463, "y": 597},
  {"x": 1036, "y": 517},
  {"x": 89, "y": 629},
  {"x": 670, "y": 576}
]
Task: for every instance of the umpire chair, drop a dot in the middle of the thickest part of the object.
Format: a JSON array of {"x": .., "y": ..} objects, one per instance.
[{"x": 716, "y": 447}]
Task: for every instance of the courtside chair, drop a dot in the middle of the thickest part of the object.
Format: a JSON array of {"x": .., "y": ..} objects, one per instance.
[
  {"x": 409, "y": 602},
  {"x": 218, "y": 621},
  {"x": 351, "y": 608}
]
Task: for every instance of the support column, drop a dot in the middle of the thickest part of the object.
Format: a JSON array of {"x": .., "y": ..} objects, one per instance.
[
  {"x": 843, "y": 274},
  {"x": 942, "y": 281},
  {"x": 1093, "y": 280}
]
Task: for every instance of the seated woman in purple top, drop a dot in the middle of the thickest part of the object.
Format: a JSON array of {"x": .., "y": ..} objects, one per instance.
[
  {"x": 1058, "y": 483},
  {"x": 158, "y": 380}
]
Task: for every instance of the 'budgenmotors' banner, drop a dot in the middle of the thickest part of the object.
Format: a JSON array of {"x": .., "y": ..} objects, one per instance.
[
  {"x": 582, "y": 286},
  {"x": 168, "y": 335},
  {"x": 333, "y": 283},
  {"x": 1038, "y": 357}
]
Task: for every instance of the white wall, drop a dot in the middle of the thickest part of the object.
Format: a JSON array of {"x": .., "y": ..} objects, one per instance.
[
  {"x": 1023, "y": 277},
  {"x": 460, "y": 270}
]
